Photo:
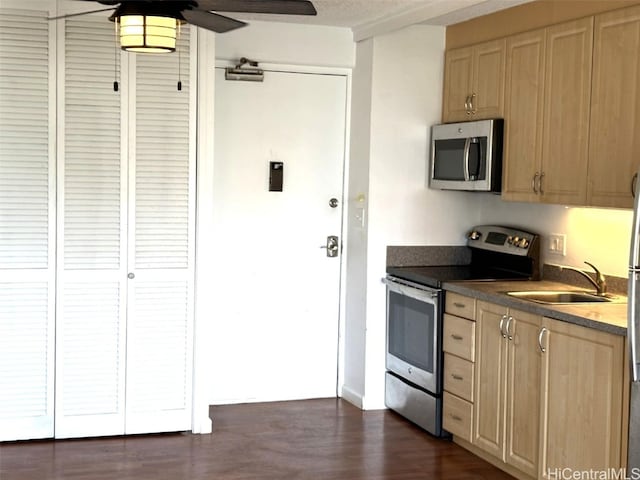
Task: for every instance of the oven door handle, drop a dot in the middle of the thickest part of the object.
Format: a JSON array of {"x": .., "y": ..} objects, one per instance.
[
  {"x": 409, "y": 289},
  {"x": 467, "y": 147}
]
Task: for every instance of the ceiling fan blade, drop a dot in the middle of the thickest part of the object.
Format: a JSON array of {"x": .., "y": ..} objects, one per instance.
[
  {"x": 211, "y": 21},
  {"x": 103, "y": 2},
  {"x": 285, "y": 7},
  {"x": 81, "y": 13}
]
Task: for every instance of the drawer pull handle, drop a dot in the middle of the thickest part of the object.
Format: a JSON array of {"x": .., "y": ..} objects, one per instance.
[
  {"x": 459, "y": 305},
  {"x": 456, "y": 418},
  {"x": 456, "y": 337},
  {"x": 456, "y": 377}
]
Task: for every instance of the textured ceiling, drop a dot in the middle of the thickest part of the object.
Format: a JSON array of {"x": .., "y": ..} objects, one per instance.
[{"x": 356, "y": 13}]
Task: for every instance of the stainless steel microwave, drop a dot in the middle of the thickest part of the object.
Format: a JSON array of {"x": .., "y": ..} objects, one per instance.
[{"x": 467, "y": 156}]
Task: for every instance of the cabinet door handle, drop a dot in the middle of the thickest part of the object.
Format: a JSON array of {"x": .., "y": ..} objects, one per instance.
[
  {"x": 542, "y": 174},
  {"x": 633, "y": 185},
  {"x": 504, "y": 335},
  {"x": 540, "y": 345},
  {"x": 459, "y": 305},
  {"x": 456, "y": 418},
  {"x": 456, "y": 377},
  {"x": 473, "y": 109},
  {"x": 534, "y": 181},
  {"x": 466, "y": 105},
  {"x": 508, "y": 326},
  {"x": 456, "y": 337}
]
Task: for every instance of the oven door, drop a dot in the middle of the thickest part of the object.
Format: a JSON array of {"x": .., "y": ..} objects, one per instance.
[{"x": 413, "y": 333}]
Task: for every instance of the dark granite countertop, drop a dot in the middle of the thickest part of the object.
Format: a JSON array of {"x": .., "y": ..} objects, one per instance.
[{"x": 609, "y": 317}]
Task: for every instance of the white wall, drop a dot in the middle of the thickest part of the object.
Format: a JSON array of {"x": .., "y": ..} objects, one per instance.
[
  {"x": 600, "y": 236},
  {"x": 405, "y": 89},
  {"x": 289, "y": 44},
  {"x": 357, "y": 208}
]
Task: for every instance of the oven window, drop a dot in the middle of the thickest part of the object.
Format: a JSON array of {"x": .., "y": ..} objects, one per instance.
[{"x": 411, "y": 331}]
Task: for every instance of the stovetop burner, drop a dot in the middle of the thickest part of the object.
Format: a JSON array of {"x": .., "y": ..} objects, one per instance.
[{"x": 498, "y": 253}]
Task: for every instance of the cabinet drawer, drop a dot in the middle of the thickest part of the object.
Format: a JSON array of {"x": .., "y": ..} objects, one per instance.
[
  {"x": 457, "y": 416},
  {"x": 458, "y": 377},
  {"x": 459, "y": 337},
  {"x": 459, "y": 305}
]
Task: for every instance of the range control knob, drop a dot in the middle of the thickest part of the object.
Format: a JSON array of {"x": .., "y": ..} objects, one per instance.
[
  {"x": 524, "y": 243},
  {"x": 515, "y": 241},
  {"x": 474, "y": 235}
]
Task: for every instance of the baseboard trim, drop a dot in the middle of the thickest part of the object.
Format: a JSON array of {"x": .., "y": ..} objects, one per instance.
[{"x": 352, "y": 397}]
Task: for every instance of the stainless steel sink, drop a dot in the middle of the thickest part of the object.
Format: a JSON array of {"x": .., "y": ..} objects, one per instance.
[{"x": 552, "y": 296}]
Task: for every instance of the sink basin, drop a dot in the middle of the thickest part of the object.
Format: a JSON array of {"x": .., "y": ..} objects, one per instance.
[{"x": 559, "y": 297}]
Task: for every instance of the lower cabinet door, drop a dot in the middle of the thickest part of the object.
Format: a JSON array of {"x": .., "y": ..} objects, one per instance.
[{"x": 582, "y": 399}]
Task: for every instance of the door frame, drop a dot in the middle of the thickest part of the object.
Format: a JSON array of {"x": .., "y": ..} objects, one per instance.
[{"x": 207, "y": 65}]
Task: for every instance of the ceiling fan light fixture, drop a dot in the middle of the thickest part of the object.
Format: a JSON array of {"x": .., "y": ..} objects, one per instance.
[{"x": 148, "y": 33}]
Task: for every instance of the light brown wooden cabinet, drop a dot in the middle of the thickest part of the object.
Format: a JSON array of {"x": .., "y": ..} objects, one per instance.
[
  {"x": 524, "y": 103},
  {"x": 459, "y": 347},
  {"x": 614, "y": 146},
  {"x": 474, "y": 82},
  {"x": 547, "y": 114},
  {"x": 582, "y": 399},
  {"x": 507, "y": 385}
]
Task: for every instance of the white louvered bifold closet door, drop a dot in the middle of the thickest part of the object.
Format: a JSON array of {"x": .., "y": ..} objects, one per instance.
[
  {"x": 27, "y": 221},
  {"x": 161, "y": 248},
  {"x": 92, "y": 270}
]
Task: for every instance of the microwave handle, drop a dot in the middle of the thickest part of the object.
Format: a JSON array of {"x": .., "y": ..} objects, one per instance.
[{"x": 467, "y": 146}]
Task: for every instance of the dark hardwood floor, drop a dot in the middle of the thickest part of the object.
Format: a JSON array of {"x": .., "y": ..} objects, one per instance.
[{"x": 313, "y": 439}]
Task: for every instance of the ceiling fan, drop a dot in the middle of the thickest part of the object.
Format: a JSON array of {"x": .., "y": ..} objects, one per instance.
[{"x": 149, "y": 26}]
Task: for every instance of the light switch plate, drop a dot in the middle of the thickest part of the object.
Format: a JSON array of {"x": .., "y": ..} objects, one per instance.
[{"x": 557, "y": 244}]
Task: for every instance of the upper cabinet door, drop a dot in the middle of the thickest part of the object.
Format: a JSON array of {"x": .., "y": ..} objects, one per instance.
[
  {"x": 457, "y": 87},
  {"x": 614, "y": 148},
  {"x": 487, "y": 94},
  {"x": 524, "y": 104},
  {"x": 566, "y": 118},
  {"x": 474, "y": 82}
]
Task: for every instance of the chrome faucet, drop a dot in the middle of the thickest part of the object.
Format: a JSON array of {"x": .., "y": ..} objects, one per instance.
[{"x": 600, "y": 282}]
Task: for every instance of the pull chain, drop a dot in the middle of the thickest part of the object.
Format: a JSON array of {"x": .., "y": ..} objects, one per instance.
[
  {"x": 116, "y": 87},
  {"x": 179, "y": 60}
]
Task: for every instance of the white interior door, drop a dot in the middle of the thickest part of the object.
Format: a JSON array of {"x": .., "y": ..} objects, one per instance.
[
  {"x": 277, "y": 292},
  {"x": 161, "y": 245},
  {"x": 92, "y": 261},
  {"x": 27, "y": 221}
]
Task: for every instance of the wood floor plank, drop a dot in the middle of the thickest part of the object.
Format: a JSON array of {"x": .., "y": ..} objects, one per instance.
[{"x": 324, "y": 439}]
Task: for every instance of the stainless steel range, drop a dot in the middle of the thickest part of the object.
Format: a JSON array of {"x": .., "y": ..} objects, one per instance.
[{"x": 415, "y": 299}]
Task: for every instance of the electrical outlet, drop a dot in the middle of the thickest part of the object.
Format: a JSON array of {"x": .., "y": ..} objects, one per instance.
[{"x": 557, "y": 244}]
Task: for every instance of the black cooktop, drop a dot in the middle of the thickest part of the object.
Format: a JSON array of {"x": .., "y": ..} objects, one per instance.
[{"x": 435, "y": 276}]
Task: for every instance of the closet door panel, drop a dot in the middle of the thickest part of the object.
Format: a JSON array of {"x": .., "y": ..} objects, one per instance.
[
  {"x": 161, "y": 232},
  {"x": 27, "y": 221},
  {"x": 91, "y": 324}
]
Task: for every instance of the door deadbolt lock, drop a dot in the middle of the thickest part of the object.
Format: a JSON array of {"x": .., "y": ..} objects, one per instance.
[{"x": 332, "y": 246}]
